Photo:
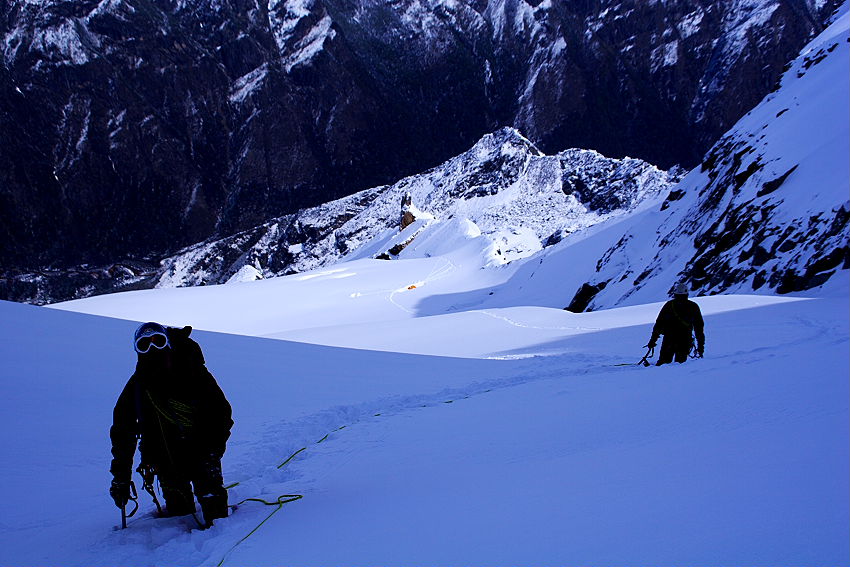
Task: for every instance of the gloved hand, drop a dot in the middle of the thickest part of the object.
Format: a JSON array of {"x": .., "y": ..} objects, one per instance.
[
  {"x": 120, "y": 492},
  {"x": 652, "y": 343}
]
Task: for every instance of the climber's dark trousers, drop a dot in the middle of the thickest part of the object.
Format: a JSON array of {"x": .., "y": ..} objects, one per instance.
[
  {"x": 673, "y": 347},
  {"x": 206, "y": 478}
]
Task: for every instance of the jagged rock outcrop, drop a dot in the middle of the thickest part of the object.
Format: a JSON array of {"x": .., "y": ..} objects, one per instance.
[
  {"x": 407, "y": 214},
  {"x": 132, "y": 128},
  {"x": 766, "y": 211}
]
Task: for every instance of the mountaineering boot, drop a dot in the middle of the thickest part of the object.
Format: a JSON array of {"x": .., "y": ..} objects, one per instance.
[
  {"x": 209, "y": 487},
  {"x": 214, "y": 506},
  {"x": 178, "y": 499}
]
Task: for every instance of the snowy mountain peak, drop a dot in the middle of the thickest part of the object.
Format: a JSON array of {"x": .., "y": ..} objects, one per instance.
[{"x": 503, "y": 190}]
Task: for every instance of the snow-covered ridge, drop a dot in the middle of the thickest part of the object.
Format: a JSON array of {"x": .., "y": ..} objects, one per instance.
[{"x": 518, "y": 199}]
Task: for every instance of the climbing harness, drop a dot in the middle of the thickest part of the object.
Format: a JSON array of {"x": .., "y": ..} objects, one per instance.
[{"x": 148, "y": 473}]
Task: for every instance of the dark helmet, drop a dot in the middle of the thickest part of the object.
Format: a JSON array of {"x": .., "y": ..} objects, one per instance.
[{"x": 680, "y": 289}]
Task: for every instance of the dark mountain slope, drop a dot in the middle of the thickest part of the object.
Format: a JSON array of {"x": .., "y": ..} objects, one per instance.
[{"x": 132, "y": 128}]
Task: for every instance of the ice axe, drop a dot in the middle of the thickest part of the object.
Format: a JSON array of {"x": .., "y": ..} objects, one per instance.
[
  {"x": 643, "y": 361},
  {"x": 649, "y": 354},
  {"x": 134, "y": 496}
]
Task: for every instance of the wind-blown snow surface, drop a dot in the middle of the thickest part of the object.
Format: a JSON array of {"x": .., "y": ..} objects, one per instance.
[{"x": 548, "y": 455}]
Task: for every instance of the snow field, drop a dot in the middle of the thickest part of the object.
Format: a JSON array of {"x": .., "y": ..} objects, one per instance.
[{"x": 741, "y": 457}]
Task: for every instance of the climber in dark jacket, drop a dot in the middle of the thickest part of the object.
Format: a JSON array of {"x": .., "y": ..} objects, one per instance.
[
  {"x": 679, "y": 320},
  {"x": 173, "y": 406}
]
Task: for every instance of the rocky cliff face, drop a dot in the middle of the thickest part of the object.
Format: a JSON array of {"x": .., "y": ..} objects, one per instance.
[
  {"x": 132, "y": 128},
  {"x": 766, "y": 211}
]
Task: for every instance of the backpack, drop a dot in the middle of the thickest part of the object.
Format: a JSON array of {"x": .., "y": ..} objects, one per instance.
[{"x": 186, "y": 351}]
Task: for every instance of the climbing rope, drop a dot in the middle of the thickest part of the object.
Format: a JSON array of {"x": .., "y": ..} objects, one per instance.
[
  {"x": 292, "y": 456},
  {"x": 281, "y": 500}
]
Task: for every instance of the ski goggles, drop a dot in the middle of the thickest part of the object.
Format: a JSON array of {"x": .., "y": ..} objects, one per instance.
[{"x": 155, "y": 340}]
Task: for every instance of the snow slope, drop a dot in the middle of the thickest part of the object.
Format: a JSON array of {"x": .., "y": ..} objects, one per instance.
[
  {"x": 549, "y": 455},
  {"x": 767, "y": 211}
]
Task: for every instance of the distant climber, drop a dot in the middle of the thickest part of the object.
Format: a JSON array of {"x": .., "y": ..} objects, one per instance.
[
  {"x": 173, "y": 406},
  {"x": 679, "y": 320}
]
